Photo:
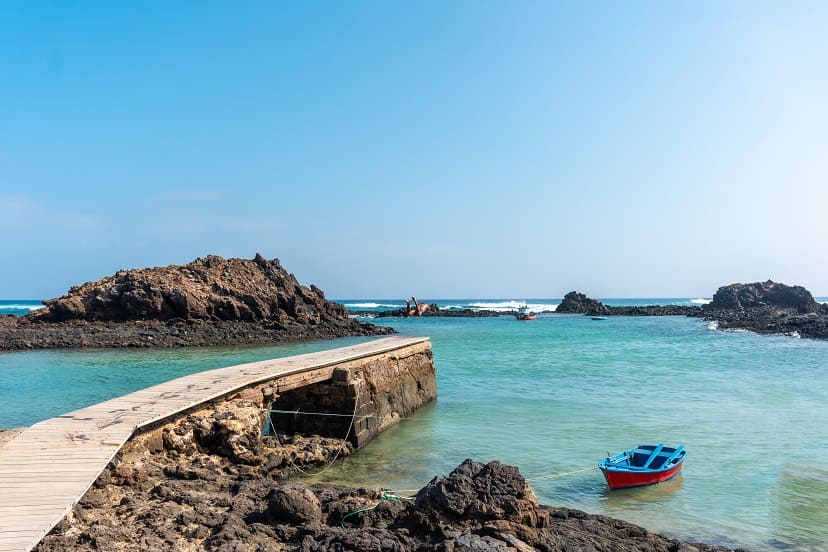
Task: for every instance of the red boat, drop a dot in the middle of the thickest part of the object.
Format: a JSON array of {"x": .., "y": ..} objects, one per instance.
[
  {"x": 524, "y": 313},
  {"x": 642, "y": 465}
]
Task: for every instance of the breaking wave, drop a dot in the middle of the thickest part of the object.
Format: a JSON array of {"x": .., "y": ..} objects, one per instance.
[
  {"x": 700, "y": 301},
  {"x": 505, "y": 306},
  {"x": 371, "y": 305},
  {"x": 19, "y": 309}
]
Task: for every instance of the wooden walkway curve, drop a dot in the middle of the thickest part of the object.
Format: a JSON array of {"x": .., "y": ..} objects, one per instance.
[{"x": 46, "y": 469}]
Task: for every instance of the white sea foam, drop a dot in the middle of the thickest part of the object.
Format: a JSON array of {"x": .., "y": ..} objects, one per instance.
[
  {"x": 506, "y": 306},
  {"x": 21, "y": 307},
  {"x": 370, "y": 305},
  {"x": 700, "y": 301},
  {"x": 795, "y": 334},
  {"x": 713, "y": 325}
]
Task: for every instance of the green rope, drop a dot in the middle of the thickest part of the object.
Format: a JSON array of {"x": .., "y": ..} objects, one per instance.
[{"x": 385, "y": 496}]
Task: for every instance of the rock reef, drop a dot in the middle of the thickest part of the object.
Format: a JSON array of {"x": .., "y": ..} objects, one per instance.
[
  {"x": 210, "y": 301},
  {"x": 432, "y": 311},
  {"x": 768, "y": 308},
  {"x": 762, "y": 307},
  {"x": 575, "y": 302}
]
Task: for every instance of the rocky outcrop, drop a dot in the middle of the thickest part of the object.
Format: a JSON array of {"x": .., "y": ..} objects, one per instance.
[
  {"x": 210, "y": 301},
  {"x": 578, "y": 303},
  {"x": 769, "y": 296},
  {"x": 212, "y": 288},
  {"x": 769, "y": 308}
]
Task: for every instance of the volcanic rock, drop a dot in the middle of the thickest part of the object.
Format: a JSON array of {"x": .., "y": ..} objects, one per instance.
[
  {"x": 476, "y": 507},
  {"x": 210, "y": 301},
  {"x": 578, "y": 303},
  {"x": 211, "y": 288},
  {"x": 768, "y": 308},
  {"x": 767, "y": 295}
]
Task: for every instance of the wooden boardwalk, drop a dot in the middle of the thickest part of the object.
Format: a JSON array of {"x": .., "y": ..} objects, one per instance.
[{"x": 46, "y": 469}]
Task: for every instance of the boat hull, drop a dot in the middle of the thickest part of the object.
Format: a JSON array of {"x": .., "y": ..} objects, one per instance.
[
  {"x": 625, "y": 479},
  {"x": 525, "y": 316}
]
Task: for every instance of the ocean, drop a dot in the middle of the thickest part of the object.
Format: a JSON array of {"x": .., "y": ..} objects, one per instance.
[{"x": 554, "y": 396}]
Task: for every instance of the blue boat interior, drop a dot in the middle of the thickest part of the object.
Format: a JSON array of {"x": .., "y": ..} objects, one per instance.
[{"x": 645, "y": 458}]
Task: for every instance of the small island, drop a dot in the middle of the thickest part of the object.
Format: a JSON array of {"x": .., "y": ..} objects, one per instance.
[{"x": 210, "y": 301}]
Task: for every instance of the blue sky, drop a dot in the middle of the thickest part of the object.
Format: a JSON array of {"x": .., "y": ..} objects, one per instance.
[{"x": 442, "y": 149}]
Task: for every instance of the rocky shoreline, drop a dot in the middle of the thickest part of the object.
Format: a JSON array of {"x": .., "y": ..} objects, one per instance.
[
  {"x": 761, "y": 307},
  {"x": 187, "y": 497},
  {"x": 17, "y": 334},
  {"x": 210, "y": 301}
]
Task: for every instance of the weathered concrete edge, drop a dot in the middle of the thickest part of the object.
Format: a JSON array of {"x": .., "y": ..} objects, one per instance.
[
  {"x": 264, "y": 378},
  {"x": 400, "y": 343}
]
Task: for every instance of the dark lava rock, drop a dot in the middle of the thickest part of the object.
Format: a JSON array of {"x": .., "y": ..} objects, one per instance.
[
  {"x": 764, "y": 295},
  {"x": 655, "y": 310},
  {"x": 476, "y": 507},
  {"x": 294, "y": 503},
  {"x": 575, "y": 302},
  {"x": 478, "y": 492},
  {"x": 434, "y": 311},
  {"x": 212, "y": 288},
  {"x": 578, "y": 303},
  {"x": 768, "y": 308},
  {"x": 210, "y": 301}
]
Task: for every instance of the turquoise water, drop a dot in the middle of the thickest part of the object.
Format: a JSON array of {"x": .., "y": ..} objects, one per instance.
[{"x": 553, "y": 396}]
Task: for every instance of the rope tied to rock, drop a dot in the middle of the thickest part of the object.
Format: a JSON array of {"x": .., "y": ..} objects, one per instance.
[
  {"x": 384, "y": 497},
  {"x": 562, "y": 474}
]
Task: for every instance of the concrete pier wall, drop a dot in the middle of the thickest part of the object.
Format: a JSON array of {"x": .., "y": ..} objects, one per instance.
[
  {"x": 374, "y": 392},
  {"x": 368, "y": 394}
]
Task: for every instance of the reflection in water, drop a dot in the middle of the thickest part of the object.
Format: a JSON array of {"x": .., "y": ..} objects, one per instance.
[
  {"x": 621, "y": 501},
  {"x": 799, "y": 506},
  {"x": 378, "y": 464}
]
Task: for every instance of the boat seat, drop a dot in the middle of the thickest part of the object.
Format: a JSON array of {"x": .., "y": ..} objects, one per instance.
[{"x": 653, "y": 455}]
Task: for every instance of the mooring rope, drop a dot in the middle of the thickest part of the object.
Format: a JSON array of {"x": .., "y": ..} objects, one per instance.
[
  {"x": 562, "y": 474},
  {"x": 384, "y": 497},
  {"x": 341, "y": 446}
]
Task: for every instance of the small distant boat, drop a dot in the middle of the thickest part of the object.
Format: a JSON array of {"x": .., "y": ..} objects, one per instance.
[
  {"x": 524, "y": 313},
  {"x": 599, "y": 317},
  {"x": 642, "y": 465}
]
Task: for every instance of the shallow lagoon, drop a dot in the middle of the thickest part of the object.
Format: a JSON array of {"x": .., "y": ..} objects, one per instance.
[{"x": 553, "y": 396}]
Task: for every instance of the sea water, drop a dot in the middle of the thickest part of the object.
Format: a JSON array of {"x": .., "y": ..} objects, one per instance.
[{"x": 554, "y": 396}]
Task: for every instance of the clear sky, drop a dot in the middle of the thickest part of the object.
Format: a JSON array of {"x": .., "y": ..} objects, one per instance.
[{"x": 442, "y": 149}]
